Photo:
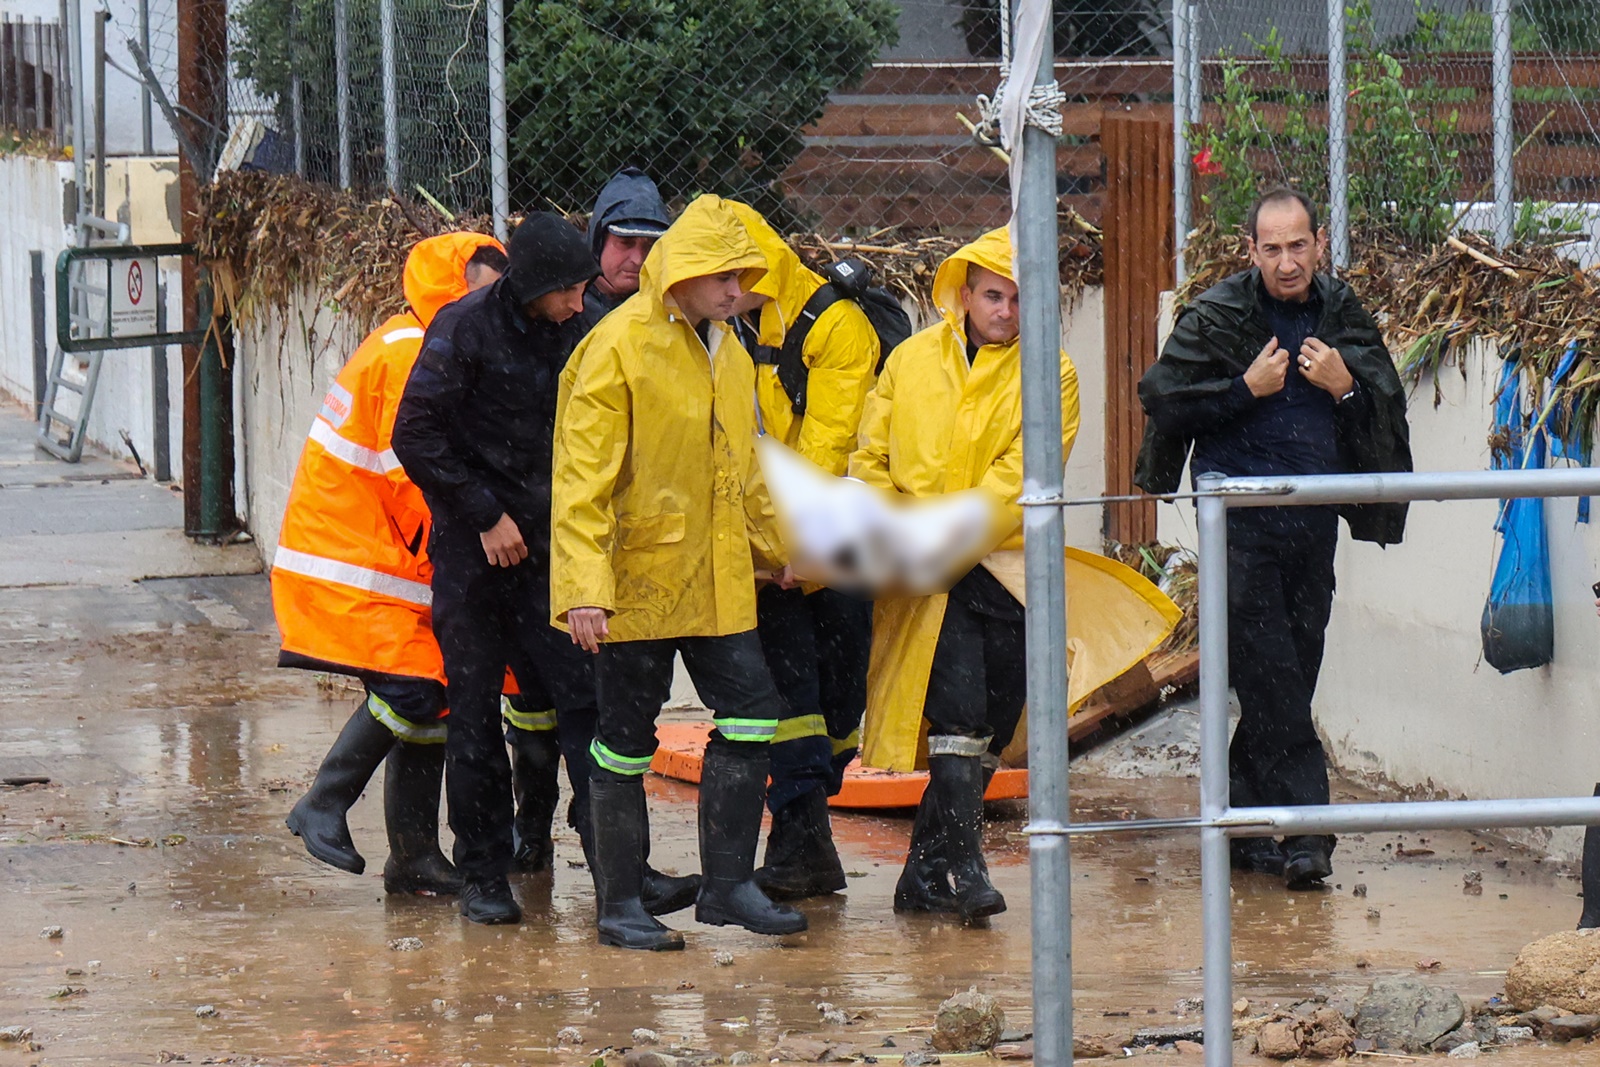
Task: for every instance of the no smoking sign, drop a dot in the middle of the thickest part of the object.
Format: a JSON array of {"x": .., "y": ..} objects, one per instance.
[{"x": 133, "y": 297}]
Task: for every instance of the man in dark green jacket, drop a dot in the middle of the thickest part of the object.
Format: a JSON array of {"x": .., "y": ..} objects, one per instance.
[{"x": 1278, "y": 370}]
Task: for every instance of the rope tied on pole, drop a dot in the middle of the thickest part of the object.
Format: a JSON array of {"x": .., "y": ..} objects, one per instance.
[{"x": 1041, "y": 108}]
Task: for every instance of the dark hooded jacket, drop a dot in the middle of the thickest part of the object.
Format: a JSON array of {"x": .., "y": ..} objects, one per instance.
[
  {"x": 630, "y": 196},
  {"x": 1190, "y": 391},
  {"x": 476, "y": 423}
]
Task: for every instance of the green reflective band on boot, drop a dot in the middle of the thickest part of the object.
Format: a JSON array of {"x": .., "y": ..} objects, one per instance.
[
  {"x": 758, "y": 730},
  {"x": 798, "y": 727},
  {"x": 402, "y": 728},
  {"x": 620, "y": 764},
  {"x": 847, "y": 744},
  {"x": 531, "y": 721}
]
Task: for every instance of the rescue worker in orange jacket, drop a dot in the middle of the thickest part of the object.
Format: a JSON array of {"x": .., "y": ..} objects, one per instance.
[{"x": 350, "y": 586}]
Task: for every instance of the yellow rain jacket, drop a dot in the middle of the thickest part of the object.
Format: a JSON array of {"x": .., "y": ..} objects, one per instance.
[
  {"x": 659, "y": 514},
  {"x": 933, "y": 425},
  {"x": 841, "y": 351}
]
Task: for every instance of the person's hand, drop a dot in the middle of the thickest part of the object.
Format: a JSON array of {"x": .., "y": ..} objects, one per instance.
[
  {"x": 786, "y": 578},
  {"x": 503, "y": 543},
  {"x": 1324, "y": 368},
  {"x": 588, "y": 626},
  {"x": 1265, "y": 376}
]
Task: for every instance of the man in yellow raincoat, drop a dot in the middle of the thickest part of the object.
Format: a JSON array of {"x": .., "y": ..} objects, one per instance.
[
  {"x": 660, "y": 520},
  {"x": 946, "y": 415},
  {"x": 815, "y": 640}
]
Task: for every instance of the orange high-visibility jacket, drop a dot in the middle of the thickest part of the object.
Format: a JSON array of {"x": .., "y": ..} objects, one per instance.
[{"x": 350, "y": 580}]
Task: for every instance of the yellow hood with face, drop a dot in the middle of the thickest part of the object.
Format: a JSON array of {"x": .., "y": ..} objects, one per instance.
[
  {"x": 708, "y": 238},
  {"x": 992, "y": 251}
]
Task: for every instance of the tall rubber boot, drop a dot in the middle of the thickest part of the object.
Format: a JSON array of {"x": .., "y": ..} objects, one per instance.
[
  {"x": 1591, "y": 876},
  {"x": 412, "y": 778},
  {"x": 535, "y": 767},
  {"x": 663, "y": 894},
  {"x": 957, "y": 786},
  {"x": 319, "y": 817},
  {"x": 732, "y": 787},
  {"x": 618, "y": 836},
  {"x": 801, "y": 859},
  {"x": 924, "y": 883}
]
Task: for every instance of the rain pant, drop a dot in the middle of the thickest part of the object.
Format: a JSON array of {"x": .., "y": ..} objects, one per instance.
[
  {"x": 350, "y": 579},
  {"x": 655, "y": 520}
]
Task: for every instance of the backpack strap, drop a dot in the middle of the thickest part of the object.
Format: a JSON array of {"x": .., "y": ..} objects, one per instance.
[{"x": 793, "y": 373}]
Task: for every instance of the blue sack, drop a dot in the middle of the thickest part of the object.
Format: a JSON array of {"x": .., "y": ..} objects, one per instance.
[{"x": 1518, "y": 625}]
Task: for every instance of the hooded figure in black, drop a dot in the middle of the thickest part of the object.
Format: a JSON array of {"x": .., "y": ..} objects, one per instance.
[
  {"x": 474, "y": 431},
  {"x": 628, "y": 216}
]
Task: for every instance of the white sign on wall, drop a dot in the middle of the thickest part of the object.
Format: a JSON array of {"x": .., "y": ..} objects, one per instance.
[{"x": 133, "y": 297}]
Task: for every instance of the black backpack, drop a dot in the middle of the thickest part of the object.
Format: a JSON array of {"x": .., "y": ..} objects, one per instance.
[{"x": 848, "y": 279}]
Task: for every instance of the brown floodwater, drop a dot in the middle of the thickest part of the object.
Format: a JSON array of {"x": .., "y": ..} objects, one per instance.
[{"x": 175, "y": 748}]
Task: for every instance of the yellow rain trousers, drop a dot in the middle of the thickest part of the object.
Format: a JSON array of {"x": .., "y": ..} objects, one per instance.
[
  {"x": 935, "y": 425},
  {"x": 659, "y": 514}
]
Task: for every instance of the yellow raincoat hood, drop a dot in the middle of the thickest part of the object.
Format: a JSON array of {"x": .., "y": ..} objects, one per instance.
[
  {"x": 436, "y": 268},
  {"x": 706, "y": 239},
  {"x": 992, "y": 252},
  {"x": 788, "y": 283}
]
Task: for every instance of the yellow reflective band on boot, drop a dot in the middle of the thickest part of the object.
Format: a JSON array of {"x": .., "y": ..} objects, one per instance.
[
  {"x": 847, "y": 744},
  {"x": 531, "y": 721},
  {"x": 616, "y": 762},
  {"x": 757, "y": 730},
  {"x": 800, "y": 726},
  {"x": 403, "y": 728}
]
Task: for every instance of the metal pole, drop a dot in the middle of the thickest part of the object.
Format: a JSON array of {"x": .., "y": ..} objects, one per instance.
[
  {"x": 41, "y": 351},
  {"x": 160, "y": 397},
  {"x": 1504, "y": 174},
  {"x": 1038, "y": 279},
  {"x": 1181, "y": 195},
  {"x": 341, "y": 78},
  {"x": 499, "y": 170},
  {"x": 297, "y": 110},
  {"x": 1302, "y": 490},
  {"x": 38, "y": 75},
  {"x": 100, "y": 18},
  {"x": 147, "y": 131},
  {"x": 1215, "y": 875},
  {"x": 391, "y": 97},
  {"x": 1196, "y": 85},
  {"x": 1338, "y": 148},
  {"x": 80, "y": 120}
]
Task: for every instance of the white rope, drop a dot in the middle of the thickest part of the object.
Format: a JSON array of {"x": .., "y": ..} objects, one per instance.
[{"x": 1043, "y": 106}]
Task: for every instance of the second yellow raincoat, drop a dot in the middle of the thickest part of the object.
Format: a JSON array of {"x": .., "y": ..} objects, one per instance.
[
  {"x": 659, "y": 514},
  {"x": 840, "y": 351}
]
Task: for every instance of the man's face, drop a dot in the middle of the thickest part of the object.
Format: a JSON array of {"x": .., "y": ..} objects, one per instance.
[
  {"x": 990, "y": 301},
  {"x": 479, "y": 275},
  {"x": 620, "y": 260},
  {"x": 1286, "y": 251},
  {"x": 710, "y": 296},
  {"x": 557, "y": 306}
]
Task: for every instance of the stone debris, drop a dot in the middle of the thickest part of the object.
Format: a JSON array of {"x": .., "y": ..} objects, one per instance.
[
  {"x": 1148, "y": 1036},
  {"x": 1373, "y": 915},
  {"x": 63, "y": 992},
  {"x": 1020, "y": 1050},
  {"x": 569, "y": 1035},
  {"x": 15, "y": 1034},
  {"x": 722, "y": 958},
  {"x": 206, "y": 1011},
  {"x": 1571, "y": 1027},
  {"x": 1472, "y": 883},
  {"x": 1406, "y": 1014},
  {"x": 52, "y": 933},
  {"x": 644, "y": 1057},
  {"x": 812, "y": 1048},
  {"x": 1359, "y": 889},
  {"x": 1189, "y": 1005},
  {"x": 1311, "y": 1031},
  {"x": 968, "y": 1022},
  {"x": 835, "y": 1018},
  {"x": 1562, "y": 969},
  {"x": 743, "y": 1059},
  {"x": 919, "y": 1059},
  {"x": 1512, "y": 1035},
  {"x": 405, "y": 944},
  {"x": 1470, "y": 1051},
  {"x": 643, "y": 1036}
]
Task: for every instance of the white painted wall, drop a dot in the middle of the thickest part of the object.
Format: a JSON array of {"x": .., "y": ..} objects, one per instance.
[{"x": 1083, "y": 336}]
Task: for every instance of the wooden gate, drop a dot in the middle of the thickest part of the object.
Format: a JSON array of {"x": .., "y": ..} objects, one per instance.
[{"x": 1138, "y": 246}]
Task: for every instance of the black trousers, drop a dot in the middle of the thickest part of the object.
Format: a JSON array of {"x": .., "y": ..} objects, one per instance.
[
  {"x": 487, "y": 618},
  {"x": 979, "y": 681},
  {"x": 1280, "y": 594},
  {"x": 634, "y": 679},
  {"x": 816, "y": 646}
]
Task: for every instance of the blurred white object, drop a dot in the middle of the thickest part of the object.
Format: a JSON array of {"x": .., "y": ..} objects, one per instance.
[{"x": 846, "y": 534}]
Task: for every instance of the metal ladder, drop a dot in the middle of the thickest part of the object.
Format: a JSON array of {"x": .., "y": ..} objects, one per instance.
[{"x": 70, "y": 447}]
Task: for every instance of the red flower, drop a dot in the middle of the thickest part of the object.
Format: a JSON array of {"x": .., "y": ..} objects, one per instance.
[{"x": 1204, "y": 164}]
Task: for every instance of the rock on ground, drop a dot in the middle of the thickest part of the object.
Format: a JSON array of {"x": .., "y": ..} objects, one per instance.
[
  {"x": 1404, "y": 1013},
  {"x": 1562, "y": 969},
  {"x": 1318, "y": 1033},
  {"x": 1470, "y": 1051},
  {"x": 968, "y": 1022},
  {"x": 1572, "y": 1027}
]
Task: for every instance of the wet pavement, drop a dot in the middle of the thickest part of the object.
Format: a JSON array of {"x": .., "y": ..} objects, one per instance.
[{"x": 174, "y": 748}]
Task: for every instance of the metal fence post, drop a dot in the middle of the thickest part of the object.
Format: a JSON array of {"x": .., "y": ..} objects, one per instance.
[
  {"x": 1196, "y": 88},
  {"x": 391, "y": 98},
  {"x": 341, "y": 78},
  {"x": 1504, "y": 173},
  {"x": 80, "y": 150},
  {"x": 1338, "y": 145},
  {"x": 100, "y": 18},
  {"x": 1216, "y": 902},
  {"x": 1181, "y": 40},
  {"x": 147, "y": 133},
  {"x": 499, "y": 169},
  {"x": 297, "y": 108}
]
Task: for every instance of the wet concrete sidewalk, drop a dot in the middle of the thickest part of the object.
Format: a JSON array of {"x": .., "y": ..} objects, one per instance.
[{"x": 194, "y": 926}]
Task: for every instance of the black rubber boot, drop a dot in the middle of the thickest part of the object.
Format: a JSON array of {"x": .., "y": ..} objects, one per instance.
[
  {"x": 1306, "y": 861},
  {"x": 617, "y": 861},
  {"x": 319, "y": 818},
  {"x": 535, "y": 767},
  {"x": 801, "y": 859},
  {"x": 1591, "y": 876},
  {"x": 411, "y": 782},
  {"x": 489, "y": 902},
  {"x": 1258, "y": 855},
  {"x": 732, "y": 788},
  {"x": 663, "y": 894},
  {"x": 957, "y": 786},
  {"x": 924, "y": 884}
]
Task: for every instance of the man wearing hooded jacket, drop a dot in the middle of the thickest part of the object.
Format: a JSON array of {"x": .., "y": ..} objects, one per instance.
[
  {"x": 350, "y": 586},
  {"x": 815, "y": 640},
  {"x": 661, "y": 522},
  {"x": 628, "y": 217},
  {"x": 473, "y": 432},
  {"x": 945, "y": 416}
]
